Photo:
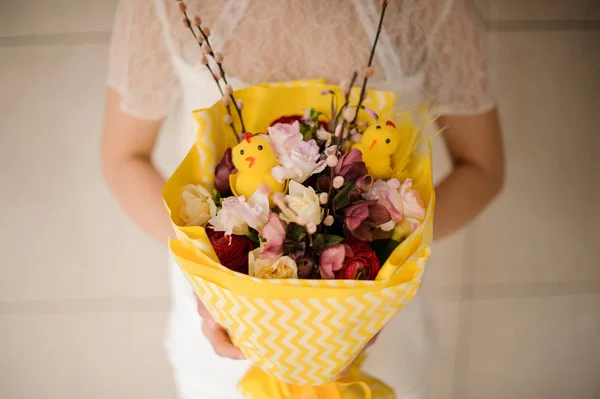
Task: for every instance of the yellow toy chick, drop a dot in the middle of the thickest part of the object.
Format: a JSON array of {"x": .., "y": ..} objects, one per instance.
[
  {"x": 253, "y": 158},
  {"x": 378, "y": 144}
]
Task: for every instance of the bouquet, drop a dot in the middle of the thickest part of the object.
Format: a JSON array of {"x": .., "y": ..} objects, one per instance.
[{"x": 303, "y": 216}]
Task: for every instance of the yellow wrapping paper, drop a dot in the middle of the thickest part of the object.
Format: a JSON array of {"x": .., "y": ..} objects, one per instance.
[{"x": 300, "y": 335}]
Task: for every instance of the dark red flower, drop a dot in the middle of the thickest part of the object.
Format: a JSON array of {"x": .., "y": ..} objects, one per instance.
[
  {"x": 351, "y": 166},
  {"x": 289, "y": 119},
  {"x": 361, "y": 218},
  {"x": 361, "y": 262},
  {"x": 232, "y": 250},
  {"x": 306, "y": 266},
  {"x": 222, "y": 171}
]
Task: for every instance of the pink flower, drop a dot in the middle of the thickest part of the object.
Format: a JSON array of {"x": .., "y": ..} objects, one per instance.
[
  {"x": 299, "y": 159},
  {"x": 351, "y": 166},
  {"x": 274, "y": 232},
  {"x": 222, "y": 171},
  {"x": 412, "y": 206},
  {"x": 363, "y": 217},
  {"x": 237, "y": 215},
  {"x": 400, "y": 200},
  {"x": 332, "y": 260},
  {"x": 386, "y": 192}
]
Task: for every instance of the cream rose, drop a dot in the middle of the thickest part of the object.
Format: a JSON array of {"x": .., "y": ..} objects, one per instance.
[
  {"x": 303, "y": 203},
  {"x": 281, "y": 268},
  {"x": 197, "y": 206}
]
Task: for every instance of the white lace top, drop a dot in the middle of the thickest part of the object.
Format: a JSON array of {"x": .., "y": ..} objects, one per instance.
[{"x": 439, "y": 45}]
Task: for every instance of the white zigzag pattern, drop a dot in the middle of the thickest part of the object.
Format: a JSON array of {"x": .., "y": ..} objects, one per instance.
[
  {"x": 240, "y": 326},
  {"x": 219, "y": 306},
  {"x": 265, "y": 324},
  {"x": 290, "y": 333},
  {"x": 308, "y": 333},
  {"x": 336, "y": 321},
  {"x": 390, "y": 306},
  {"x": 256, "y": 332},
  {"x": 374, "y": 319},
  {"x": 326, "y": 332},
  {"x": 354, "y": 321},
  {"x": 208, "y": 295}
]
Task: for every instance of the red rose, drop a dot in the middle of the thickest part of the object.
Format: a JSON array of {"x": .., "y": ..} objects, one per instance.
[
  {"x": 289, "y": 119},
  {"x": 361, "y": 262},
  {"x": 232, "y": 250}
]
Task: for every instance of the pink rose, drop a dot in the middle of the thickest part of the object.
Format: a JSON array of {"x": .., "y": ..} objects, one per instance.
[{"x": 274, "y": 232}]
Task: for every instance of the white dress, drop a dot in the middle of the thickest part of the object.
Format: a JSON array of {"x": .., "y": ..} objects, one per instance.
[{"x": 428, "y": 49}]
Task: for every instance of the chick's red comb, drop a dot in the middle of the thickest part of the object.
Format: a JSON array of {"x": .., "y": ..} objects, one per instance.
[
  {"x": 390, "y": 123},
  {"x": 247, "y": 137}
]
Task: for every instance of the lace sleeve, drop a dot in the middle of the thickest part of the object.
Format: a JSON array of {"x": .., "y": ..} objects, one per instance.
[
  {"x": 140, "y": 67},
  {"x": 457, "y": 74}
]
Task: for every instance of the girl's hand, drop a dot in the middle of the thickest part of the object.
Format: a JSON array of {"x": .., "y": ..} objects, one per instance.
[{"x": 217, "y": 335}]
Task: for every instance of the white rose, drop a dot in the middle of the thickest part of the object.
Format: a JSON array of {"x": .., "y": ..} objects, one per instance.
[
  {"x": 282, "y": 268},
  {"x": 303, "y": 203},
  {"x": 197, "y": 206}
]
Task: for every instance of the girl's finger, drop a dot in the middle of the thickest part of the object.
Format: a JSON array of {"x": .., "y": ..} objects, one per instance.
[{"x": 221, "y": 343}]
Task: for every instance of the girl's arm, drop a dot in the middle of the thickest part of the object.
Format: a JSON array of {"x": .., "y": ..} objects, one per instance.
[
  {"x": 475, "y": 146},
  {"x": 127, "y": 145}
]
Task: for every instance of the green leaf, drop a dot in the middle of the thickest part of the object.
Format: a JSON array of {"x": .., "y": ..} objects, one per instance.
[
  {"x": 322, "y": 241},
  {"x": 332, "y": 239},
  {"x": 295, "y": 232},
  {"x": 217, "y": 197},
  {"x": 384, "y": 248},
  {"x": 307, "y": 132},
  {"x": 341, "y": 200},
  {"x": 318, "y": 243},
  {"x": 314, "y": 115},
  {"x": 253, "y": 236}
]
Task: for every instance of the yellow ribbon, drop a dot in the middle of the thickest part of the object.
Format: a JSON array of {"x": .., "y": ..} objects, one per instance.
[{"x": 259, "y": 385}]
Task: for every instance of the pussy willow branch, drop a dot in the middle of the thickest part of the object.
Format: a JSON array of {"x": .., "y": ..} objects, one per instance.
[
  {"x": 340, "y": 140},
  {"x": 371, "y": 56},
  {"x": 220, "y": 65},
  {"x": 189, "y": 25}
]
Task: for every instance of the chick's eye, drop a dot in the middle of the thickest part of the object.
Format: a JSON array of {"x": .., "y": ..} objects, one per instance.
[
  {"x": 260, "y": 147},
  {"x": 378, "y": 127},
  {"x": 387, "y": 141},
  {"x": 241, "y": 152}
]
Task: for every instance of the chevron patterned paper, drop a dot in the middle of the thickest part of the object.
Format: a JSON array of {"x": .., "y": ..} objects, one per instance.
[{"x": 297, "y": 332}]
